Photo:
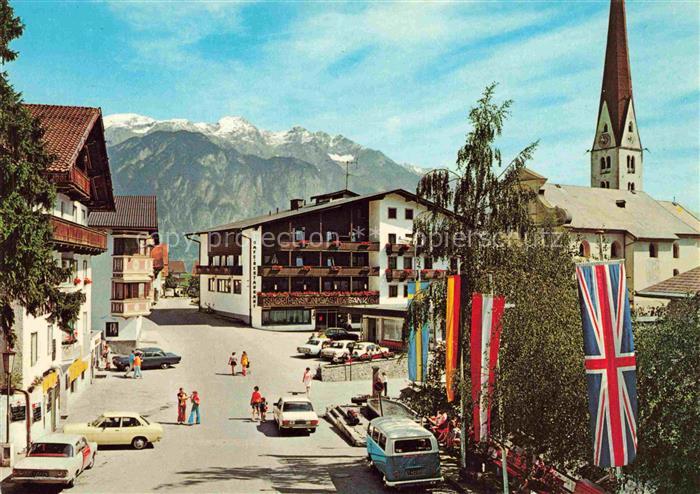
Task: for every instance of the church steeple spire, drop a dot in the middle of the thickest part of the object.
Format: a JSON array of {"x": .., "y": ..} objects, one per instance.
[
  {"x": 617, "y": 79},
  {"x": 616, "y": 156}
]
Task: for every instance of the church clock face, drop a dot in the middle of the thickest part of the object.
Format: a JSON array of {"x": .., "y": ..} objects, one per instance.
[{"x": 604, "y": 139}]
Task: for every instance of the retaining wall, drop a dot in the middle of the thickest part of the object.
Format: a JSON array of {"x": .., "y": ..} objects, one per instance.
[{"x": 396, "y": 367}]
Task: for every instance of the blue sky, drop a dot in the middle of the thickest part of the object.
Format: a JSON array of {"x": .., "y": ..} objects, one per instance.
[{"x": 395, "y": 76}]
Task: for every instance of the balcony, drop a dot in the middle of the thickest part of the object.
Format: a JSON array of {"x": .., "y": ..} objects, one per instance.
[
  {"x": 434, "y": 274},
  {"x": 132, "y": 307},
  {"x": 338, "y": 245},
  {"x": 72, "y": 237},
  {"x": 316, "y": 299},
  {"x": 73, "y": 182},
  {"x": 317, "y": 271},
  {"x": 400, "y": 274},
  {"x": 220, "y": 270},
  {"x": 399, "y": 249},
  {"x": 136, "y": 267}
]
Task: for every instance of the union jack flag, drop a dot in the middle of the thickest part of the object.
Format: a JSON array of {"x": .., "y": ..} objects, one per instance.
[{"x": 610, "y": 362}]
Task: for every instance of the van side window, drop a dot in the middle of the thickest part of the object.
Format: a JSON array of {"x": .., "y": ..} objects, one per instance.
[
  {"x": 382, "y": 441},
  {"x": 412, "y": 445}
]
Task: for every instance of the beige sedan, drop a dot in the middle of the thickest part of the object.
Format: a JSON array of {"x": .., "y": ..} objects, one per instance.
[{"x": 118, "y": 428}]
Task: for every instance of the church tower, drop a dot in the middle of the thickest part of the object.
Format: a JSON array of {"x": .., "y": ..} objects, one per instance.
[{"x": 616, "y": 155}]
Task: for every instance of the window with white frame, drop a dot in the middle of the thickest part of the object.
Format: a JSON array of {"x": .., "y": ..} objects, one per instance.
[{"x": 34, "y": 353}]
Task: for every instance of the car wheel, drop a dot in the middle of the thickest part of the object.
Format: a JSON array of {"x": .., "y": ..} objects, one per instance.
[
  {"x": 164, "y": 366},
  {"x": 139, "y": 442}
]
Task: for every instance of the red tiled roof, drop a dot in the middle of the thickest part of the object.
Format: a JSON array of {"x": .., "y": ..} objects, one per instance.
[
  {"x": 160, "y": 258},
  {"x": 681, "y": 284},
  {"x": 177, "y": 267},
  {"x": 617, "y": 77},
  {"x": 66, "y": 128},
  {"x": 130, "y": 212}
]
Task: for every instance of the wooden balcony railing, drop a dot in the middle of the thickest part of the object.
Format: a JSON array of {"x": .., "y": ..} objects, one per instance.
[
  {"x": 316, "y": 299},
  {"x": 133, "y": 307},
  {"x": 399, "y": 249},
  {"x": 74, "y": 182},
  {"x": 318, "y": 271},
  {"x": 69, "y": 236},
  {"x": 220, "y": 270},
  {"x": 131, "y": 266},
  {"x": 434, "y": 274},
  {"x": 400, "y": 274},
  {"x": 339, "y": 245}
]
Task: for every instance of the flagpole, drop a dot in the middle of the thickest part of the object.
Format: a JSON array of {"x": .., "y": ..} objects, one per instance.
[{"x": 504, "y": 452}]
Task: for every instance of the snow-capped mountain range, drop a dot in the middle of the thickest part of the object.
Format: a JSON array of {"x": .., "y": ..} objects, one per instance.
[{"x": 205, "y": 174}]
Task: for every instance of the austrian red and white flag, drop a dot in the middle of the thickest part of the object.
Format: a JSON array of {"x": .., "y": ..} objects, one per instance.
[{"x": 487, "y": 311}]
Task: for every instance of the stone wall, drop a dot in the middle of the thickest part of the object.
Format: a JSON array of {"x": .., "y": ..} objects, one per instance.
[{"x": 396, "y": 367}]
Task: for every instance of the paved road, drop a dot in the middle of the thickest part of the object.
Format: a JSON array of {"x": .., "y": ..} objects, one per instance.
[{"x": 228, "y": 452}]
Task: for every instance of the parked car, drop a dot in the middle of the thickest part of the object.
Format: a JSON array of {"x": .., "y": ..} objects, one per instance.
[
  {"x": 337, "y": 350},
  {"x": 152, "y": 358},
  {"x": 118, "y": 428},
  {"x": 366, "y": 350},
  {"x": 294, "y": 412},
  {"x": 55, "y": 459},
  {"x": 313, "y": 347},
  {"x": 340, "y": 334}
]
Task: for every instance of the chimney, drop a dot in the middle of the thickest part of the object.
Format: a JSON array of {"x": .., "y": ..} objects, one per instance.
[{"x": 296, "y": 204}]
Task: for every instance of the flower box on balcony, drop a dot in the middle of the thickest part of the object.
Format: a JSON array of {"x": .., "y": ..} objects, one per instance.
[
  {"x": 87, "y": 281},
  {"x": 334, "y": 269},
  {"x": 335, "y": 244},
  {"x": 76, "y": 281},
  {"x": 363, "y": 245},
  {"x": 302, "y": 243},
  {"x": 305, "y": 268},
  {"x": 364, "y": 269},
  {"x": 276, "y": 267}
]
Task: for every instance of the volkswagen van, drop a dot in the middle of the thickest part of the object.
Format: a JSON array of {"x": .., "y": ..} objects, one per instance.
[{"x": 403, "y": 452}]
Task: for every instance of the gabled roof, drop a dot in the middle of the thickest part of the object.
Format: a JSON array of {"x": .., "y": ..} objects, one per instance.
[
  {"x": 617, "y": 77},
  {"x": 637, "y": 213},
  {"x": 177, "y": 267},
  {"x": 66, "y": 129},
  {"x": 681, "y": 213},
  {"x": 338, "y": 194},
  {"x": 682, "y": 285},
  {"x": 268, "y": 218},
  {"x": 130, "y": 213}
]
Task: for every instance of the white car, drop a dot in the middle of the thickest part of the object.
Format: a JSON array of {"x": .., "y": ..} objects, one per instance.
[
  {"x": 313, "y": 347},
  {"x": 337, "y": 350},
  {"x": 294, "y": 412},
  {"x": 55, "y": 459},
  {"x": 366, "y": 350}
]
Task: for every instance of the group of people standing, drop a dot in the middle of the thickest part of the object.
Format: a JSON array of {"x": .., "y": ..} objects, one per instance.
[
  {"x": 135, "y": 360},
  {"x": 182, "y": 399},
  {"x": 258, "y": 405},
  {"x": 245, "y": 363}
]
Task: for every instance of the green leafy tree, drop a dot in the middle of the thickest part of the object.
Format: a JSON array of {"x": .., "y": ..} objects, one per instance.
[
  {"x": 170, "y": 281},
  {"x": 191, "y": 285},
  {"x": 668, "y": 383},
  {"x": 542, "y": 382},
  {"x": 29, "y": 274}
]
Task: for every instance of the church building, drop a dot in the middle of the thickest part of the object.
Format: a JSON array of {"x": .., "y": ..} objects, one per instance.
[{"x": 614, "y": 218}]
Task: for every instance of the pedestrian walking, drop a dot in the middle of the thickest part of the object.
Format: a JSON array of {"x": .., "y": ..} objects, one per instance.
[
  {"x": 195, "y": 408},
  {"x": 137, "y": 367},
  {"x": 181, "y": 406},
  {"x": 132, "y": 356},
  {"x": 306, "y": 379},
  {"x": 255, "y": 400},
  {"x": 385, "y": 384},
  {"x": 233, "y": 363},
  {"x": 263, "y": 409},
  {"x": 245, "y": 363}
]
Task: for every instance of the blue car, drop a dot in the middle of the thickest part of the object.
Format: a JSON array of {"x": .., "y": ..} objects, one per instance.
[{"x": 403, "y": 452}]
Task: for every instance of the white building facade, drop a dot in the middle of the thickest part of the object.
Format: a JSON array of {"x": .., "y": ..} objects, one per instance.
[{"x": 302, "y": 268}]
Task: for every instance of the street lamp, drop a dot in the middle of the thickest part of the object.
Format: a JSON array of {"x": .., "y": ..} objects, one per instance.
[{"x": 8, "y": 360}]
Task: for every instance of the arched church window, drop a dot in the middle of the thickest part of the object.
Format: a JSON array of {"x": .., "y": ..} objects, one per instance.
[
  {"x": 602, "y": 164},
  {"x": 676, "y": 272},
  {"x": 628, "y": 162},
  {"x": 607, "y": 161},
  {"x": 653, "y": 250},
  {"x": 584, "y": 249},
  {"x": 630, "y": 127},
  {"x": 632, "y": 164},
  {"x": 605, "y": 127},
  {"x": 676, "y": 250},
  {"x": 632, "y": 186},
  {"x": 615, "y": 250},
  {"x": 602, "y": 184}
]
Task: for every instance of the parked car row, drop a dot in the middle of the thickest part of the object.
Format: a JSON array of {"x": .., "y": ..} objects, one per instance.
[
  {"x": 340, "y": 351},
  {"x": 59, "y": 458}
]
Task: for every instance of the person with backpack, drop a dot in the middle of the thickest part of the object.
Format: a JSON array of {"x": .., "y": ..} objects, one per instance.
[{"x": 233, "y": 363}]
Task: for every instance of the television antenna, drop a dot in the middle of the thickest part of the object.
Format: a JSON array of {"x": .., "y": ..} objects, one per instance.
[{"x": 347, "y": 160}]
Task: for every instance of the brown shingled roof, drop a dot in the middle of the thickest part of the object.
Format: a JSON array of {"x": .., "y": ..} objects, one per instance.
[
  {"x": 617, "y": 77},
  {"x": 130, "y": 212},
  {"x": 680, "y": 285},
  {"x": 66, "y": 128},
  {"x": 177, "y": 267}
]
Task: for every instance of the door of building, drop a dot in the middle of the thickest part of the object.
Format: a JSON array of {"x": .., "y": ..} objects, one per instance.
[
  {"x": 371, "y": 329},
  {"x": 326, "y": 318}
]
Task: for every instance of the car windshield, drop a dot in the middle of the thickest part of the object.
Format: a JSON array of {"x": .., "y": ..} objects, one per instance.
[
  {"x": 337, "y": 344},
  {"x": 97, "y": 421},
  {"x": 298, "y": 406},
  {"x": 51, "y": 449},
  {"x": 412, "y": 445},
  {"x": 144, "y": 420},
  {"x": 314, "y": 342}
]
